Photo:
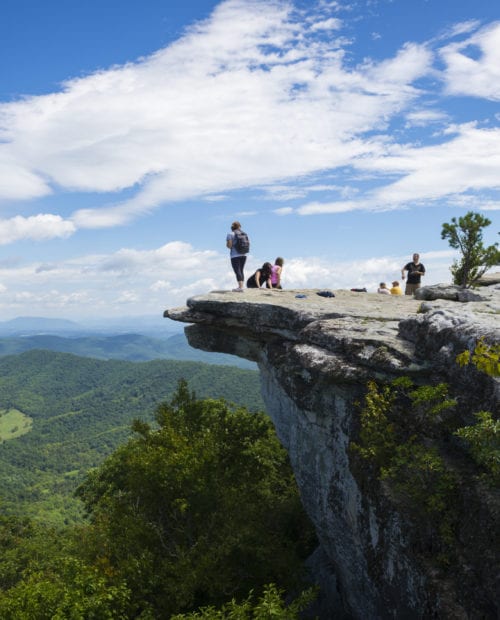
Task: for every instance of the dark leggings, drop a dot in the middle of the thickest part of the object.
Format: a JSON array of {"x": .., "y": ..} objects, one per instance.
[{"x": 238, "y": 262}]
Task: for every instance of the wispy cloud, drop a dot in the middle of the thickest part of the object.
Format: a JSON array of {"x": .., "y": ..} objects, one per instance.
[
  {"x": 255, "y": 95},
  {"x": 214, "y": 111}
]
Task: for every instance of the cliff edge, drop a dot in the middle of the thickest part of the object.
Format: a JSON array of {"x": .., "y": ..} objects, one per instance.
[{"x": 316, "y": 355}]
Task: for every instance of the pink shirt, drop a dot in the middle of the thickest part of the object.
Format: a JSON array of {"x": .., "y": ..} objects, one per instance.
[{"x": 274, "y": 274}]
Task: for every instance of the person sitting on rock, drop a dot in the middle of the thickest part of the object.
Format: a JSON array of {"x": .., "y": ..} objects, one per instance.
[
  {"x": 383, "y": 290},
  {"x": 396, "y": 289},
  {"x": 260, "y": 277},
  {"x": 277, "y": 268}
]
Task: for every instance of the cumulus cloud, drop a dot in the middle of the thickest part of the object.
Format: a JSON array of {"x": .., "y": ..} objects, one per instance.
[
  {"x": 101, "y": 283},
  {"x": 315, "y": 272},
  {"x": 142, "y": 282},
  {"x": 37, "y": 227}
]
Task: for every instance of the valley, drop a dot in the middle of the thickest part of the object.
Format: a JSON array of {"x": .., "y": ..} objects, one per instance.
[{"x": 63, "y": 414}]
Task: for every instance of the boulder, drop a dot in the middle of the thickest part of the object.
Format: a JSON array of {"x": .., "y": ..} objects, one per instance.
[{"x": 447, "y": 291}]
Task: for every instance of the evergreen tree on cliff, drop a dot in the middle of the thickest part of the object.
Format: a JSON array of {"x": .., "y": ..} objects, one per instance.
[{"x": 466, "y": 235}]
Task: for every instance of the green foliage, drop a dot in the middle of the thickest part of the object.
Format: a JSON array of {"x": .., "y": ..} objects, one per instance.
[
  {"x": 485, "y": 358},
  {"x": 42, "y": 577},
  {"x": 466, "y": 235},
  {"x": 269, "y": 606},
  {"x": 198, "y": 510},
  {"x": 429, "y": 402},
  {"x": 484, "y": 443},
  {"x": 377, "y": 435},
  {"x": 70, "y": 590},
  {"x": 483, "y": 438},
  {"x": 396, "y": 424},
  {"x": 81, "y": 410},
  {"x": 421, "y": 479},
  {"x": 392, "y": 414}
]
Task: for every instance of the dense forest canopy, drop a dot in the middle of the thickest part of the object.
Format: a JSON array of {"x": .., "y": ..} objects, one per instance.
[
  {"x": 199, "y": 506},
  {"x": 80, "y": 410}
]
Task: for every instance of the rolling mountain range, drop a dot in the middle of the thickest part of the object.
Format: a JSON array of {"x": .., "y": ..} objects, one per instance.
[{"x": 108, "y": 340}]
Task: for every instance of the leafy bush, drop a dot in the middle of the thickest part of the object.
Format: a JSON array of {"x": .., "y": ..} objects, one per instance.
[
  {"x": 269, "y": 606},
  {"x": 396, "y": 420},
  {"x": 485, "y": 358},
  {"x": 484, "y": 443},
  {"x": 483, "y": 438}
]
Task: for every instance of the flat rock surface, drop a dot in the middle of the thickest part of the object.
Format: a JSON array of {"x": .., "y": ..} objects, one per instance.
[
  {"x": 309, "y": 303},
  {"x": 259, "y": 303}
]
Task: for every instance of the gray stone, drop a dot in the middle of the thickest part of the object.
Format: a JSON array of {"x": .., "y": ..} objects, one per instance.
[
  {"x": 315, "y": 357},
  {"x": 447, "y": 291},
  {"x": 488, "y": 279}
]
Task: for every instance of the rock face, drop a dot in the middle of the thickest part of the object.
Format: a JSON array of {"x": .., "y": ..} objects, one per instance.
[{"x": 316, "y": 355}]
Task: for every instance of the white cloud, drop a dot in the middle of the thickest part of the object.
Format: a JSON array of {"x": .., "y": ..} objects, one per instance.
[
  {"x": 333, "y": 23},
  {"x": 151, "y": 281},
  {"x": 36, "y": 227},
  {"x": 314, "y": 272},
  {"x": 470, "y": 160},
  {"x": 161, "y": 285},
  {"x": 215, "y": 111},
  {"x": 460, "y": 28},
  {"x": 422, "y": 118},
  {"x": 254, "y": 96},
  {"x": 146, "y": 281},
  {"x": 318, "y": 208},
  {"x": 17, "y": 182},
  {"x": 473, "y": 65}
]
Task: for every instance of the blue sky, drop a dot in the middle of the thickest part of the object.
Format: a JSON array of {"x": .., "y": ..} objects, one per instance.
[{"x": 341, "y": 134}]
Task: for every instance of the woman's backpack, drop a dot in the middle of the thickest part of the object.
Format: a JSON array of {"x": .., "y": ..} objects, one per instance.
[{"x": 241, "y": 242}]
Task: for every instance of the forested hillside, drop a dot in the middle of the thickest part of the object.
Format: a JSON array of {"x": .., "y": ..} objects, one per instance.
[
  {"x": 75, "y": 411},
  {"x": 197, "y": 508}
]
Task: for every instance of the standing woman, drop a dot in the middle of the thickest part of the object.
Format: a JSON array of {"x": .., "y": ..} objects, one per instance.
[{"x": 238, "y": 258}]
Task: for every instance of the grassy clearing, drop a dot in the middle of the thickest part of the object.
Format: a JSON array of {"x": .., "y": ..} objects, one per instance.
[{"x": 13, "y": 423}]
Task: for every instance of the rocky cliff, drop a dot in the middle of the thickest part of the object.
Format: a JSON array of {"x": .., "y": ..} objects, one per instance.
[{"x": 378, "y": 557}]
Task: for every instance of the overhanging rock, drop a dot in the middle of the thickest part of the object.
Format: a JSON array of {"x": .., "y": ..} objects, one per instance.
[{"x": 315, "y": 356}]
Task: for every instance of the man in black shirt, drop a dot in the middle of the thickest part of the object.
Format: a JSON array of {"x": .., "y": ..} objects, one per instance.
[{"x": 415, "y": 271}]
